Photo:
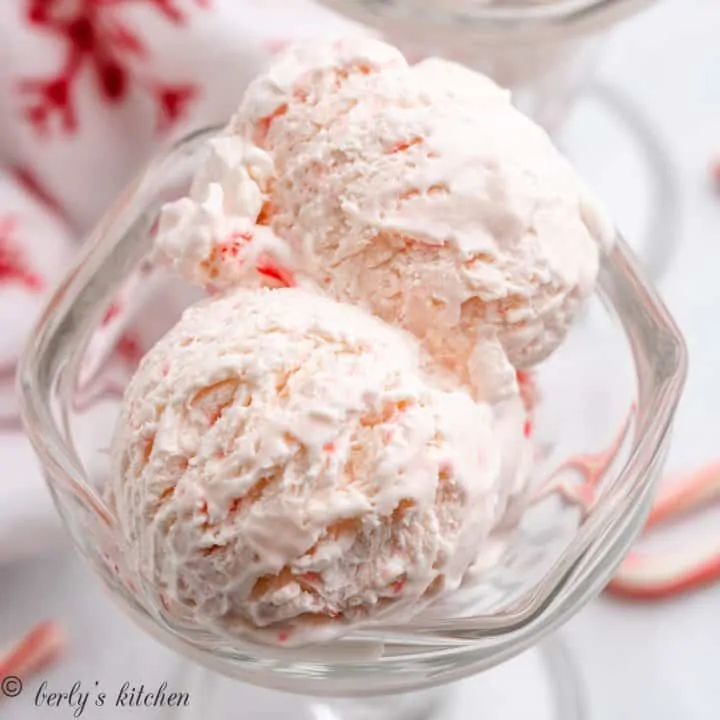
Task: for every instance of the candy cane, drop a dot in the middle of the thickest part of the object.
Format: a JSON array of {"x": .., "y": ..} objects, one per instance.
[
  {"x": 654, "y": 577},
  {"x": 40, "y": 647}
]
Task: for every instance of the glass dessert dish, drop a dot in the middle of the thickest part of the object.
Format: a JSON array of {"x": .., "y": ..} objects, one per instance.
[{"x": 602, "y": 428}]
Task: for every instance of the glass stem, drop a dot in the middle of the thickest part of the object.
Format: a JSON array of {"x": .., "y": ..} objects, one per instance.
[{"x": 422, "y": 705}]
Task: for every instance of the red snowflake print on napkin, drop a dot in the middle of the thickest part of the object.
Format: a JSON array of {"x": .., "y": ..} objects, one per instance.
[
  {"x": 97, "y": 38},
  {"x": 13, "y": 268}
]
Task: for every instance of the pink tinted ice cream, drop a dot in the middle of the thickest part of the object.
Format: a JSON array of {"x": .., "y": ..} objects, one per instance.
[
  {"x": 283, "y": 470},
  {"x": 419, "y": 193},
  {"x": 334, "y": 439}
]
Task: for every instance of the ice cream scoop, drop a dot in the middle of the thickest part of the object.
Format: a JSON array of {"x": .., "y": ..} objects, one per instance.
[
  {"x": 283, "y": 470},
  {"x": 420, "y": 193}
]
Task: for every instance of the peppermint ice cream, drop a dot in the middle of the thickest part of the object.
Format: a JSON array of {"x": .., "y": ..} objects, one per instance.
[
  {"x": 418, "y": 193},
  {"x": 283, "y": 470},
  {"x": 335, "y": 438}
]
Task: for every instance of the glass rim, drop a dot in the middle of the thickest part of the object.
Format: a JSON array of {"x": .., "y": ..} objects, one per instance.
[
  {"x": 660, "y": 364},
  {"x": 529, "y": 20}
]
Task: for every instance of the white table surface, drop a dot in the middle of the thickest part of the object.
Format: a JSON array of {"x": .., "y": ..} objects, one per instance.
[{"x": 638, "y": 662}]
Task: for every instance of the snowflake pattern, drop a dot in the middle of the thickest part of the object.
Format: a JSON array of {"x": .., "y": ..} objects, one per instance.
[
  {"x": 97, "y": 38},
  {"x": 13, "y": 269}
]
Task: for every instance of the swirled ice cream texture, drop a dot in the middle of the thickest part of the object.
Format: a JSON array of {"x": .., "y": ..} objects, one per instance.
[
  {"x": 417, "y": 192},
  {"x": 283, "y": 470}
]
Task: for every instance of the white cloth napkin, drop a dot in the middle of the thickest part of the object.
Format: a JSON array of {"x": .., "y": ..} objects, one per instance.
[{"x": 88, "y": 88}]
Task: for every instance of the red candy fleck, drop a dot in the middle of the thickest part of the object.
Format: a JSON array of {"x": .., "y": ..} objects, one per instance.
[
  {"x": 310, "y": 577},
  {"x": 404, "y": 145},
  {"x": 398, "y": 586},
  {"x": 129, "y": 348},
  {"x": 235, "y": 243},
  {"x": 271, "y": 270},
  {"x": 528, "y": 389},
  {"x": 262, "y": 126},
  {"x": 231, "y": 250},
  {"x": 153, "y": 231},
  {"x": 111, "y": 313}
]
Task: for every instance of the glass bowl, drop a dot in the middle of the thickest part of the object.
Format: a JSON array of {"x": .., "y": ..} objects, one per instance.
[{"x": 609, "y": 394}]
